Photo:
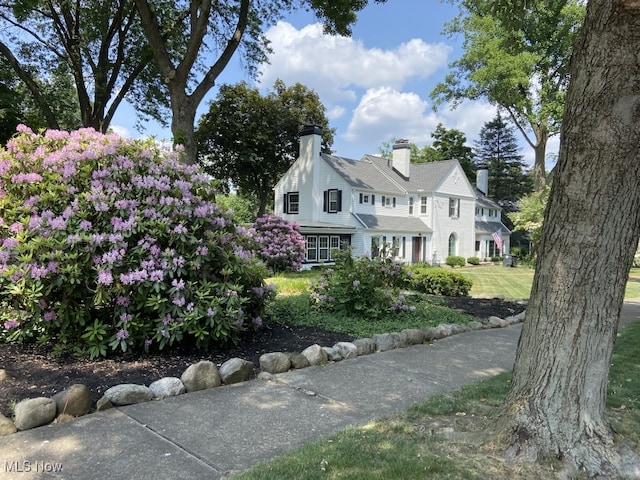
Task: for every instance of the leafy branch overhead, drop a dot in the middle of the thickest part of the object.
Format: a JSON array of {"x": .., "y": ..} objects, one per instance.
[
  {"x": 517, "y": 61},
  {"x": 248, "y": 140}
]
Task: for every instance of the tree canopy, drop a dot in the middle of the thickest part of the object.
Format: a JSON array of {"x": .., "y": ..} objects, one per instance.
[
  {"x": 212, "y": 33},
  {"x": 498, "y": 149},
  {"x": 249, "y": 140},
  {"x": 97, "y": 43},
  {"x": 518, "y": 61}
]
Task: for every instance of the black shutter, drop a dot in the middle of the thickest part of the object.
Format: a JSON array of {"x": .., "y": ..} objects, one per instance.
[
  {"x": 360, "y": 198},
  {"x": 373, "y": 199},
  {"x": 383, "y": 200},
  {"x": 325, "y": 203},
  {"x": 339, "y": 200},
  {"x": 285, "y": 205},
  {"x": 394, "y": 202}
]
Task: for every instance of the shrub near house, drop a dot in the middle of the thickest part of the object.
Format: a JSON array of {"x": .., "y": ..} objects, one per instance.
[{"x": 110, "y": 243}]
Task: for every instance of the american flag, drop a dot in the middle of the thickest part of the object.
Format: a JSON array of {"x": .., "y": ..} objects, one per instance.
[{"x": 497, "y": 237}]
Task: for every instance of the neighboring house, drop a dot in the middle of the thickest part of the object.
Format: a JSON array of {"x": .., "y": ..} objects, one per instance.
[{"x": 412, "y": 212}]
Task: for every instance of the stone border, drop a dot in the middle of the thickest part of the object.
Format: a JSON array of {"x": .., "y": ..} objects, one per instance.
[{"x": 75, "y": 401}]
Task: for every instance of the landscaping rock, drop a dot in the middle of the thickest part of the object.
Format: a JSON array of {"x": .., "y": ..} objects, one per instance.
[
  {"x": 415, "y": 336},
  {"x": 332, "y": 354},
  {"x": 103, "y": 404},
  {"x": 475, "y": 325},
  {"x": 34, "y": 412},
  {"x": 365, "y": 346},
  {"x": 298, "y": 360},
  {"x": 236, "y": 370},
  {"x": 128, "y": 394},
  {"x": 74, "y": 401},
  {"x": 346, "y": 349},
  {"x": 315, "y": 354},
  {"x": 276, "y": 362},
  {"x": 265, "y": 377},
  {"x": 457, "y": 328},
  {"x": 201, "y": 376},
  {"x": 496, "y": 322},
  {"x": 400, "y": 340},
  {"x": 383, "y": 341},
  {"x": 167, "y": 387},
  {"x": 4, "y": 375},
  {"x": 7, "y": 427}
]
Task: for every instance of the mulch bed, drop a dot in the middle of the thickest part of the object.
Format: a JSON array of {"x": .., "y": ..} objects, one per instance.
[{"x": 35, "y": 372}]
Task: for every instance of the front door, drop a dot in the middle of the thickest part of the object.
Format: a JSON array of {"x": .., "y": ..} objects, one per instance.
[{"x": 417, "y": 250}]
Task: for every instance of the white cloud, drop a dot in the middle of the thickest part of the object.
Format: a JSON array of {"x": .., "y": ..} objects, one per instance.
[
  {"x": 335, "y": 67},
  {"x": 120, "y": 130},
  {"x": 385, "y": 113}
]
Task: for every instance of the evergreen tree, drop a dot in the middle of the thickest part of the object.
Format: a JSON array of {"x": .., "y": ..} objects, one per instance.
[{"x": 498, "y": 149}]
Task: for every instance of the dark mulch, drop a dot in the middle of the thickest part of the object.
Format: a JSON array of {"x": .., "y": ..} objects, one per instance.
[{"x": 33, "y": 372}]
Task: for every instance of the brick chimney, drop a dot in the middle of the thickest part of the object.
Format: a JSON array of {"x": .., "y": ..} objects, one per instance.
[
  {"x": 401, "y": 157},
  {"x": 482, "y": 179}
]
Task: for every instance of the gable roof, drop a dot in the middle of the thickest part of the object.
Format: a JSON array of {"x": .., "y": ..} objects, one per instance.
[
  {"x": 424, "y": 176},
  {"x": 483, "y": 201},
  {"x": 362, "y": 174},
  {"x": 397, "y": 224}
]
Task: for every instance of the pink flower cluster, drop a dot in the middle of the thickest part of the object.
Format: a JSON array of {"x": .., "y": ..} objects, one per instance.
[
  {"x": 110, "y": 223},
  {"x": 280, "y": 243}
]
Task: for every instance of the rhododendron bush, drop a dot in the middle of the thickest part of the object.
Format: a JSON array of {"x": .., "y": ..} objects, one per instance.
[
  {"x": 107, "y": 243},
  {"x": 280, "y": 245}
]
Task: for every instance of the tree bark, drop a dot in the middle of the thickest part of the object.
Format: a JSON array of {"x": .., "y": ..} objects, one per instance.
[{"x": 556, "y": 406}]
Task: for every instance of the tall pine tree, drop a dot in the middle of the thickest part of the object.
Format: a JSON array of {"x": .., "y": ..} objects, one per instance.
[{"x": 498, "y": 149}]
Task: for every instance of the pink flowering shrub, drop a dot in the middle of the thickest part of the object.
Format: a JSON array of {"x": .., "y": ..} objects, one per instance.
[
  {"x": 361, "y": 286},
  {"x": 280, "y": 245},
  {"x": 107, "y": 243}
]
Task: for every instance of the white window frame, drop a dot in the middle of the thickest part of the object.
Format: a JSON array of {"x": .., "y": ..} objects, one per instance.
[
  {"x": 411, "y": 201},
  {"x": 423, "y": 205},
  {"x": 454, "y": 207},
  {"x": 309, "y": 240},
  {"x": 323, "y": 251}
]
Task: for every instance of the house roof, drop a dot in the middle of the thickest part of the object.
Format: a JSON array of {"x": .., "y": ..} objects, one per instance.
[
  {"x": 483, "y": 201},
  {"x": 490, "y": 227},
  {"x": 324, "y": 227},
  {"x": 393, "y": 224},
  {"x": 424, "y": 176},
  {"x": 362, "y": 174}
]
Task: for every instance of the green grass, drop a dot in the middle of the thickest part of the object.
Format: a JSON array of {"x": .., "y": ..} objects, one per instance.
[
  {"x": 295, "y": 310},
  {"x": 413, "y": 444}
]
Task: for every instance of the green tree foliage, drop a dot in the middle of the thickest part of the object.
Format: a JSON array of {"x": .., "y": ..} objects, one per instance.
[
  {"x": 98, "y": 44},
  {"x": 17, "y": 105},
  {"x": 220, "y": 29},
  {"x": 498, "y": 149},
  {"x": 244, "y": 210},
  {"x": 517, "y": 58},
  {"x": 448, "y": 144},
  {"x": 249, "y": 140},
  {"x": 529, "y": 216}
]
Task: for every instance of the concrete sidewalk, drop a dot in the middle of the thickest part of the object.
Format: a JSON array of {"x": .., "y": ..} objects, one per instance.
[{"x": 207, "y": 434}]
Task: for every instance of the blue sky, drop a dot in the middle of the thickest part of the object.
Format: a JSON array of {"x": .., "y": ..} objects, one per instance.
[{"x": 375, "y": 84}]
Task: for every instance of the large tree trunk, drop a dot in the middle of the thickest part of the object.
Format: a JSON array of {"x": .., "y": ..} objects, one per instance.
[
  {"x": 539, "y": 166},
  {"x": 556, "y": 406},
  {"x": 182, "y": 123}
]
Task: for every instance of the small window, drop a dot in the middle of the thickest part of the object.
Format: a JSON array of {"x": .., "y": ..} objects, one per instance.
[
  {"x": 491, "y": 213},
  {"x": 366, "y": 199},
  {"x": 454, "y": 207},
  {"x": 332, "y": 201},
  {"x": 411, "y": 205},
  {"x": 387, "y": 201},
  {"x": 323, "y": 248},
  {"x": 312, "y": 248},
  {"x": 423, "y": 205},
  {"x": 293, "y": 203},
  {"x": 477, "y": 211}
]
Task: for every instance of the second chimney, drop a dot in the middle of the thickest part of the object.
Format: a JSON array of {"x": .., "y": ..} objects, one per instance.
[
  {"x": 482, "y": 179},
  {"x": 401, "y": 157}
]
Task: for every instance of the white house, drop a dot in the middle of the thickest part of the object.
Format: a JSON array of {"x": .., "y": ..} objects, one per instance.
[{"x": 414, "y": 212}]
